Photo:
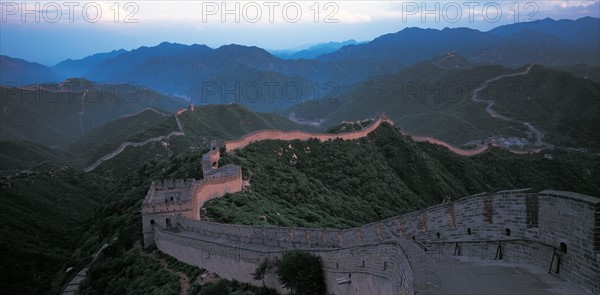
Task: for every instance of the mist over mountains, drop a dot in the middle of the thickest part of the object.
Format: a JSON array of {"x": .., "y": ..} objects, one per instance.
[
  {"x": 312, "y": 51},
  {"x": 178, "y": 69}
]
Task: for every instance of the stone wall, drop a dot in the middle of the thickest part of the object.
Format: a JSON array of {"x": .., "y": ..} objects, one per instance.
[
  {"x": 348, "y": 270},
  {"x": 529, "y": 227},
  {"x": 299, "y": 135},
  {"x": 214, "y": 186},
  {"x": 575, "y": 220}
]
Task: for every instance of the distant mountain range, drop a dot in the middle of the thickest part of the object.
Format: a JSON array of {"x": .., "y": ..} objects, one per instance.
[
  {"x": 582, "y": 32},
  {"x": 548, "y": 42},
  {"x": 77, "y": 68},
  {"x": 19, "y": 72},
  {"x": 181, "y": 69},
  {"x": 312, "y": 51}
]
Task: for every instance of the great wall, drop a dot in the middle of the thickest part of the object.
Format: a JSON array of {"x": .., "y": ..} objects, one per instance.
[{"x": 558, "y": 231}]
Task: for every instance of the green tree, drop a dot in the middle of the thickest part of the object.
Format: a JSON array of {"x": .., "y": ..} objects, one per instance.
[
  {"x": 262, "y": 270},
  {"x": 302, "y": 273}
]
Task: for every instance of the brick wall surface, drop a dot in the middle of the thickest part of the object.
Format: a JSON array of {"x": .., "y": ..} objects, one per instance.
[{"x": 538, "y": 224}]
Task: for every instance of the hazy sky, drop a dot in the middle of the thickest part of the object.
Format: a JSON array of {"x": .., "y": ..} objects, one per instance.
[{"x": 48, "y": 32}]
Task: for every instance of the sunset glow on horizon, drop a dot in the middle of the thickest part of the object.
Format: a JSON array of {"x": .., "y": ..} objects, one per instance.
[{"x": 78, "y": 29}]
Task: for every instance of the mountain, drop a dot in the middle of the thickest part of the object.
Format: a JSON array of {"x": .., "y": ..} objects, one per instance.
[
  {"x": 232, "y": 121},
  {"x": 182, "y": 70},
  {"x": 200, "y": 124},
  {"x": 413, "y": 44},
  {"x": 564, "y": 106},
  {"x": 312, "y": 51},
  {"x": 259, "y": 90},
  {"x": 18, "y": 72},
  {"x": 108, "y": 137},
  {"x": 230, "y": 70},
  {"x": 19, "y": 157},
  {"x": 583, "y": 32},
  {"x": 58, "y": 114},
  {"x": 428, "y": 99},
  {"x": 340, "y": 184},
  {"x": 44, "y": 217},
  {"x": 583, "y": 71},
  {"x": 116, "y": 69},
  {"x": 76, "y": 68},
  {"x": 50, "y": 209},
  {"x": 193, "y": 71},
  {"x": 422, "y": 99},
  {"x": 509, "y": 46},
  {"x": 451, "y": 60}
]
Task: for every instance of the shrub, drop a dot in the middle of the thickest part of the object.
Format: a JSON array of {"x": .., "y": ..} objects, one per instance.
[{"x": 301, "y": 272}]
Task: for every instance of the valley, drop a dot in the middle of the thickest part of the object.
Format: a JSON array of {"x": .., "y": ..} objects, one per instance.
[{"x": 539, "y": 136}]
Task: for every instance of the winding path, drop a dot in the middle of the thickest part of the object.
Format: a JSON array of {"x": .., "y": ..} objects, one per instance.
[{"x": 490, "y": 104}]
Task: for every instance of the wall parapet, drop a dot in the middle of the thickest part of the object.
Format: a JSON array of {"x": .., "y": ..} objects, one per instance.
[
  {"x": 390, "y": 269},
  {"x": 528, "y": 223},
  {"x": 275, "y": 134},
  {"x": 572, "y": 196},
  {"x": 172, "y": 183}
]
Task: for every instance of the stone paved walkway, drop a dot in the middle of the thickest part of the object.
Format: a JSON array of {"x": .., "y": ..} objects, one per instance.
[{"x": 491, "y": 277}]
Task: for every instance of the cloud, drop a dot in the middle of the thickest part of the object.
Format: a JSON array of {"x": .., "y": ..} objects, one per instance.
[
  {"x": 569, "y": 9},
  {"x": 349, "y": 17}
]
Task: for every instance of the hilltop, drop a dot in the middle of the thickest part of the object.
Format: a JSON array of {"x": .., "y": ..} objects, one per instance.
[
  {"x": 199, "y": 125},
  {"x": 25, "y": 156},
  {"x": 19, "y": 72},
  {"x": 59, "y": 114}
]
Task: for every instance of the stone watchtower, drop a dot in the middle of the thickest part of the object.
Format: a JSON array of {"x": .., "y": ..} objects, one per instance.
[
  {"x": 164, "y": 203},
  {"x": 168, "y": 202},
  {"x": 210, "y": 160}
]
